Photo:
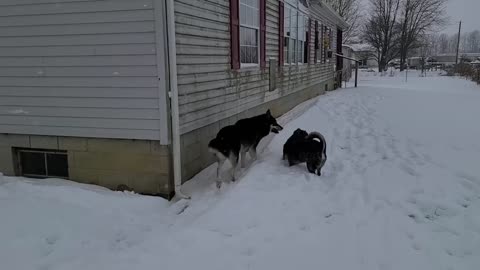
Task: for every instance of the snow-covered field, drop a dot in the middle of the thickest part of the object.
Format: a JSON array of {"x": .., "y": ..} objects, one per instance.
[{"x": 400, "y": 190}]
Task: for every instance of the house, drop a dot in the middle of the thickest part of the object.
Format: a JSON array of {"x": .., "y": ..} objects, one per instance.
[
  {"x": 365, "y": 54},
  {"x": 415, "y": 62},
  {"x": 476, "y": 63},
  {"x": 447, "y": 60},
  {"x": 348, "y": 64},
  {"x": 127, "y": 94}
]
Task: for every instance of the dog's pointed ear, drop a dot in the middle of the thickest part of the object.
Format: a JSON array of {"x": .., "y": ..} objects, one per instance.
[{"x": 269, "y": 113}]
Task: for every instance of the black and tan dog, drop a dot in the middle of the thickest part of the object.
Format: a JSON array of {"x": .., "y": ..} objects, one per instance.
[
  {"x": 244, "y": 136},
  {"x": 306, "y": 147}
]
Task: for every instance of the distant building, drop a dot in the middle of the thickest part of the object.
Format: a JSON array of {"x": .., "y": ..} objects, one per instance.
[
  {"x": 348, "y": 65},
  {"x": 476, "y": 63},
  {"x": 365, "y": 54},
  {"x": 414, "y": 62},
  {"x": 446, "y": 60}
]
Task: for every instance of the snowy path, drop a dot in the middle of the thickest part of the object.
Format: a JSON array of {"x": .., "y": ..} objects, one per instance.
[{"x": 400, "y": 190}]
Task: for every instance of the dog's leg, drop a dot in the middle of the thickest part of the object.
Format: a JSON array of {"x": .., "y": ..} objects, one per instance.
[
  {"x": 291, "y": 162},
  {"x": 253, "y": 152},
  {"x": 323, "y": 159},
  {"x": 234, "y": 162},
  {"x": 220, "y": 161},
  {"x": 311, "y": 167},
  {"x": 243, "y": 152}
]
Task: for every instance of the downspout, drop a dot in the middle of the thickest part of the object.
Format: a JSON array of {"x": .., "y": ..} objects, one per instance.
[{"x": 172, "y": 57}]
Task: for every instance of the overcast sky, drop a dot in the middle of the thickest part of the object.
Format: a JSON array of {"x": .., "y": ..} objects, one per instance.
[{"x": 468, "y": 11}]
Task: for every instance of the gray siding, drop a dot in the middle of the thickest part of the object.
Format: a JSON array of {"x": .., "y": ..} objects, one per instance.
[
  {"x": 209, "y": 90},
  {"x": 82, "y": 68}
]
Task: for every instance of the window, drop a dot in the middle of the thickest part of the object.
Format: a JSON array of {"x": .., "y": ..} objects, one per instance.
[
  {"x": 327, "y": 43},
  {"x": 363, "y": 62},
  {"x": 290, "y": 35},
  {"x": 249, "y": 31},
  {"x": 296, "y": 27},
  {"x": 42, "y": 163},
  {"x": 302, "y": 38}
]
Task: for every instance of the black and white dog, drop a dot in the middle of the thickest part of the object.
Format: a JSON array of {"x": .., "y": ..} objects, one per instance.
[
  {"x": 236, "y": 140},
  {"x": 306, "y": 147}
]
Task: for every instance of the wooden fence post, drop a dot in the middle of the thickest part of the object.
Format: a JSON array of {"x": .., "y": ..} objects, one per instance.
[{"x": 356, "y": 74}]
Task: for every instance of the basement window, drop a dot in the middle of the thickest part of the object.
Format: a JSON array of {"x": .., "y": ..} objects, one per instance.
[{"x": 42, "y": 163}]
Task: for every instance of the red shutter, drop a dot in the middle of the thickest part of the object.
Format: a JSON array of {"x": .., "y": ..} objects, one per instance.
[
  {"x": 309, "y": 40},
  {"x": 263, "y": 34},
  {"x": 281, "y": 38},
  {"x": 316, "y": 43},
  {"x": 323, "y": 49},
  {"x": 234, "y": 34},
  {"x": 339, "y": 49}
]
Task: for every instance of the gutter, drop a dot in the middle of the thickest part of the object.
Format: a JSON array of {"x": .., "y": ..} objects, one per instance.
[
  {"x": 332, "y": 12},
  {"x": 175, "y": 116}
]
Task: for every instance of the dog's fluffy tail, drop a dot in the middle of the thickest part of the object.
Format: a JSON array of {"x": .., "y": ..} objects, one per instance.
[{"x": 317, "y": 135}]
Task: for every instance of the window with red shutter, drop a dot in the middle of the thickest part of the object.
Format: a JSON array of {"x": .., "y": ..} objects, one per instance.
[{"x": 250, "y": 39}]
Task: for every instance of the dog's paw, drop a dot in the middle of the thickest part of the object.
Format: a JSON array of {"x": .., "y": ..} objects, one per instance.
[{"x": 219, "y": 184}]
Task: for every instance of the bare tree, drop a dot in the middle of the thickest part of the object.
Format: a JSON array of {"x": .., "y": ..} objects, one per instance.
[
  {"x": 452, "y": 43},
  {"x": 473, "y": 42},
  {"x": 426, "y": 49},
  {"x": 418, "y": 17},
  {"x": 443, "y": 43},
  {"x": 434, "y": 40},
  {"x": 349, "y": 10},
  {"x": 381, "y": 30}
]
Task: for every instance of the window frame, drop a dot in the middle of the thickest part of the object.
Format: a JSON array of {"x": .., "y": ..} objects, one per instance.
[
  {"x": 291, "y": 55},
  {"x": 18, "y": 160},
  {"x": 290, "y": 35},
  {"x": 235, "y": 61},
  {"x": 256, "y": 28},
  {"x": 302, "y": 37}
]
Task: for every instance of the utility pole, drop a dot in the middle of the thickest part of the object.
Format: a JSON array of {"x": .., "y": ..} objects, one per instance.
[{"x": 458, "y": 41}]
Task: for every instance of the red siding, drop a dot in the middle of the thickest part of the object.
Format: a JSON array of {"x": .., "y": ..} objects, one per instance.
[
  {"x": 281, "y": 39},
  {"x": 263, "y": 33},
  {"x": 317, "y": 42},
  {"x": 309, "y": 40},
  {"x": 234, "y": 34}
]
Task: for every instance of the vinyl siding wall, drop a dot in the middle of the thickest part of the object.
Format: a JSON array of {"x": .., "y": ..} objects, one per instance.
[
  {"x": 209, "y": 90},
  {"x": 83, "y": 68}
]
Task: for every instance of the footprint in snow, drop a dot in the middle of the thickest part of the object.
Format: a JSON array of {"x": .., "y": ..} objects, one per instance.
[{"x": 248, "y": 251}]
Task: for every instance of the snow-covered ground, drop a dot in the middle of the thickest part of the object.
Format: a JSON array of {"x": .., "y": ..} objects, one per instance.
[{"x": 400, "y": 190}]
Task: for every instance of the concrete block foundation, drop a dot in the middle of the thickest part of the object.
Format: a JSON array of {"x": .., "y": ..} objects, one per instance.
[{"x": 139, "y": 165}]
